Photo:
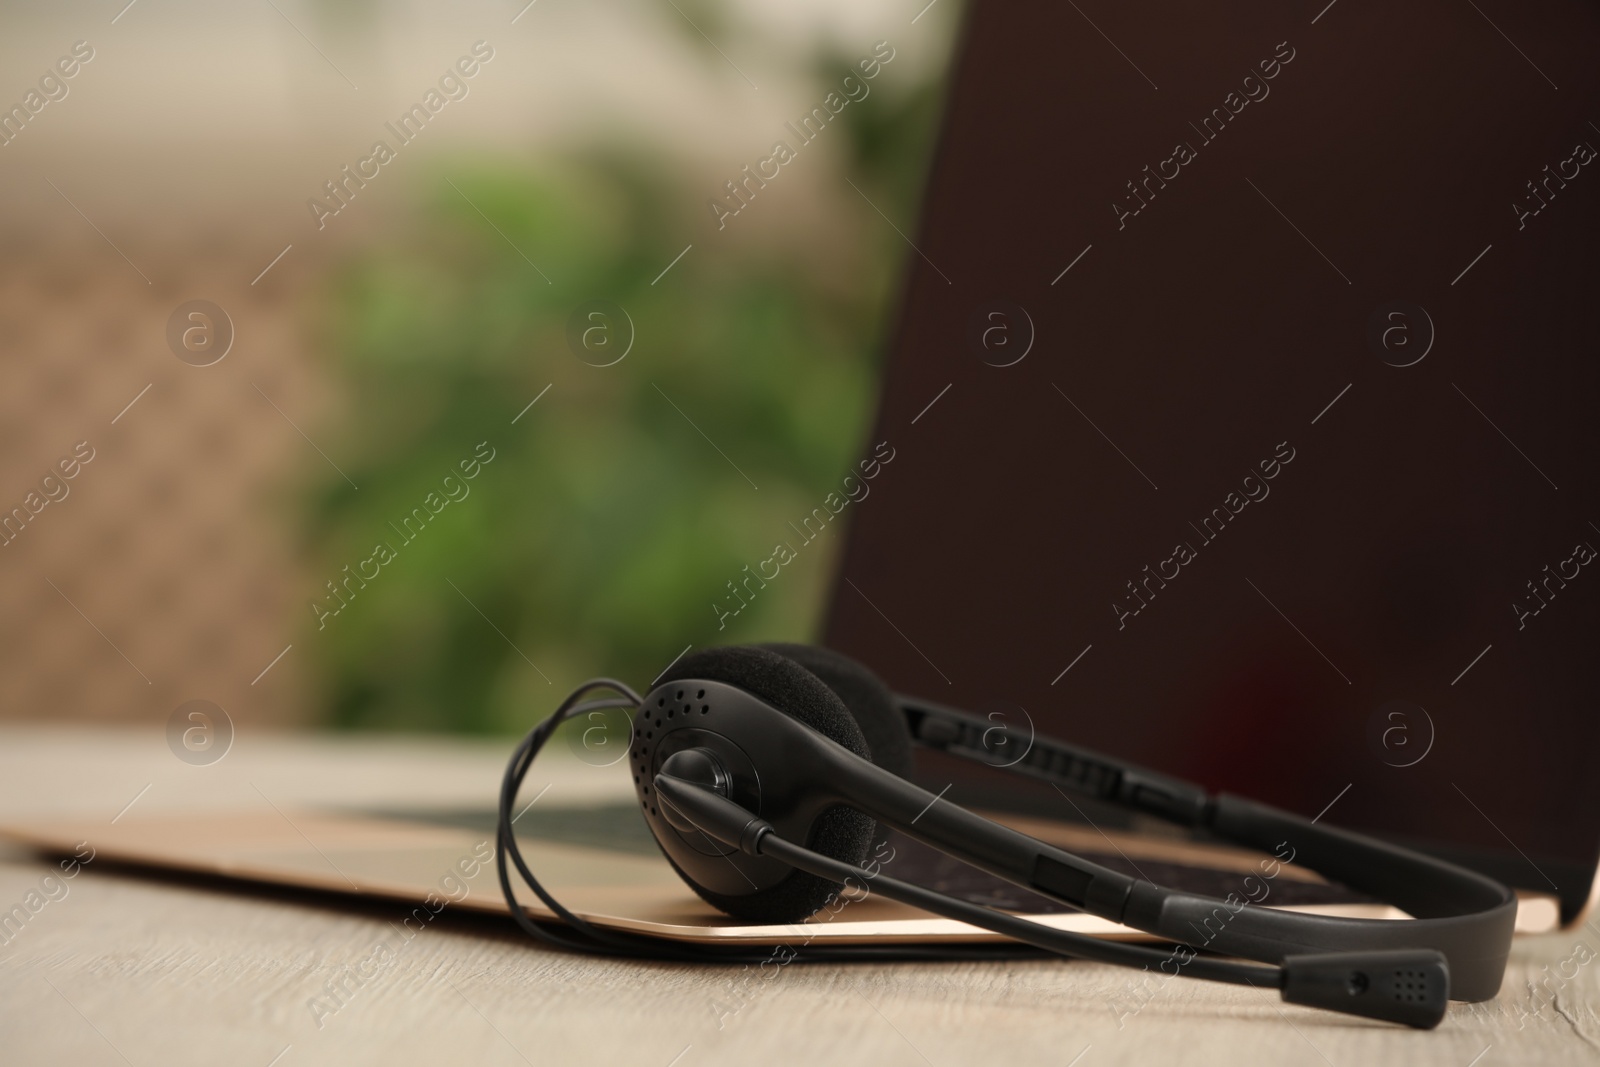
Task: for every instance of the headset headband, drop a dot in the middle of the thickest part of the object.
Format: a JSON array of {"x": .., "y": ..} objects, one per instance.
[{"x": 1465, "y": 915}]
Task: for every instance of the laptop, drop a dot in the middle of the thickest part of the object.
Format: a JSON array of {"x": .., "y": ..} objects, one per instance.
[
  {"x": 1240, "y": 418},
  {"x": 1242, "y": 403}
]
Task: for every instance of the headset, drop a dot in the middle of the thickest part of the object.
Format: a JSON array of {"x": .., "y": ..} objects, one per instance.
[{"x": 763, "y": 771}]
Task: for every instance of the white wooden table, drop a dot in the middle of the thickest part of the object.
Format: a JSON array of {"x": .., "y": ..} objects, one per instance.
[{"x": 145, "y": 970}]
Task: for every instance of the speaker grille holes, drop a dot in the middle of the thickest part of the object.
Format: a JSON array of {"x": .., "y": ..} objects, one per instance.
[{"x": 1410, "y": 986}]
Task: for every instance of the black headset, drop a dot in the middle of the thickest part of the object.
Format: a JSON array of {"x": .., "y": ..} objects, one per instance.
[{"x": 763, "y": 771}]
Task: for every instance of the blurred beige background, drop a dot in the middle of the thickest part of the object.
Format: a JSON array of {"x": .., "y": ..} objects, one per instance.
[{"x": 177, "y": 167}]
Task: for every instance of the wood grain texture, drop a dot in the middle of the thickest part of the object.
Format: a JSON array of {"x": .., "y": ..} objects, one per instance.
[{"x": 129, "y": 968}]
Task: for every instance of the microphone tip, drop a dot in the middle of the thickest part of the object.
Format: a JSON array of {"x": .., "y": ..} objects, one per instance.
[{"x": 1408, "y": 986}]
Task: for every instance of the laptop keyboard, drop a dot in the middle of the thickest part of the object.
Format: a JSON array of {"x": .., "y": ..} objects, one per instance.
[{"x": 916, "y": 862}]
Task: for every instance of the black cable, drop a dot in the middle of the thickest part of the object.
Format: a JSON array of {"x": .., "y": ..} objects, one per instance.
[{"x": 584, "y": 936}]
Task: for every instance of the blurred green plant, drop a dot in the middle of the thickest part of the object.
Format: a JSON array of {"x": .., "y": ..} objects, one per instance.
[{"x": 597, "y": 539}]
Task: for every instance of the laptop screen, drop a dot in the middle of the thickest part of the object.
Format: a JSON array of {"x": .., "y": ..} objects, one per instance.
[{"x": 1242, "y": 411}]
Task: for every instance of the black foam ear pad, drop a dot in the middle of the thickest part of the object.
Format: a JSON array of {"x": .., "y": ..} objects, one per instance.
[
  {"x": 841, "y": 833},
  {"x": 868, "y": 699}
]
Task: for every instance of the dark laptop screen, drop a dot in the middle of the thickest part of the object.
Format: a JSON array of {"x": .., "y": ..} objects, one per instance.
[{"x": 1243, "y": 404}]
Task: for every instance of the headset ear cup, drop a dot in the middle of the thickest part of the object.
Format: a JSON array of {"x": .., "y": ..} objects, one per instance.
[
  {"x": 870, "y": 702},
  {"x": 840, "y": 832}
]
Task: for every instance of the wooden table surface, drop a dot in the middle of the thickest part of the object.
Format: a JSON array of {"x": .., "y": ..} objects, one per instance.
[{"x": 136, "y": 969}]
